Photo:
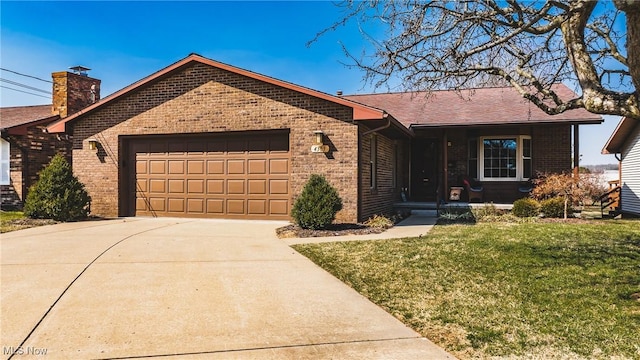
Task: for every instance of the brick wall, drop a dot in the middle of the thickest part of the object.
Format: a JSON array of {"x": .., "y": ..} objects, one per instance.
[
  {"x": 391, "y": 156},
  {"x": 551, "y": 146},
  {"x": 30, "y": 154},
  {"x": 202, "y": 99}
]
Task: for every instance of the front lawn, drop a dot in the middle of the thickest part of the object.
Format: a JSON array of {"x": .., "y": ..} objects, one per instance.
[
  {"x": 15, "y": 220},
  {"x": 531, "y": 290}
]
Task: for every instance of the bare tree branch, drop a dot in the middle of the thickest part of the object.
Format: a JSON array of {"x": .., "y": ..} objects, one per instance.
[{"x": 529, "y": 44}]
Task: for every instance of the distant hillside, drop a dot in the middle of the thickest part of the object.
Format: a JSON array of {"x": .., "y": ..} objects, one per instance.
[{"x": 601, "y": 168}]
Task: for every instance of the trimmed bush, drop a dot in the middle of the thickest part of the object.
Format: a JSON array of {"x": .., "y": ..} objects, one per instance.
[
  {"x": 58, "y": 194},
  {"x": 317, "y": 205},
  {"x": 554, "y": 207},
  {"x": 525, "y": 208}
]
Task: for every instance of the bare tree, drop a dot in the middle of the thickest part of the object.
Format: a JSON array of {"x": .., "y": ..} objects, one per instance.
[{"x": 530, "y": 45}]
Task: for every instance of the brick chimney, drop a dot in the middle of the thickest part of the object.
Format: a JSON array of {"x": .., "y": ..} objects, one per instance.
[{"x": 73, "y": 91}]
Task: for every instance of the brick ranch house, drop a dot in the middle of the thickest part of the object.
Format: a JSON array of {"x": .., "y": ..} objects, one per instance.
[
  {"x": 26, "y": 146},
  {"x": 201, "y": 138}
]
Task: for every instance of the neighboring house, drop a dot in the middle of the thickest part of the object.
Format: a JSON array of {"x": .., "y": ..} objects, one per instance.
[
  {"x": 26, "y": 147},
  {"x": 204, "y": 139},
  {"x": 625, "y": 144}
]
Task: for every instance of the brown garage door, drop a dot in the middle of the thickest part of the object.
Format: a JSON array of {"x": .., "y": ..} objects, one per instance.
[{"x": 226, "y": 176}]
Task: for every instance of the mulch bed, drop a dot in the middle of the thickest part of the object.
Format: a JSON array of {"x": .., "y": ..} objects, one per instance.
[{"x": 294, "y": 231}]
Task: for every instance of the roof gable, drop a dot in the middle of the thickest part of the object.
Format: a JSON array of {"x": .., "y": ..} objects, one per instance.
[
  {"x": 619, "y": 137},
  {"x": 360, "y": 111},
  {"x": 482, "y": 106}
]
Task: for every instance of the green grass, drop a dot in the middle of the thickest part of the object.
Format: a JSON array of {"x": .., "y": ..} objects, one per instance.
[
  {"x": 529, "y": 290},
  {"x": 15, "y": 220}
]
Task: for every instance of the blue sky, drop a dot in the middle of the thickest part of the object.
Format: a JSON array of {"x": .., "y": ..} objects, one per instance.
[{"x": 123, "y": 42}]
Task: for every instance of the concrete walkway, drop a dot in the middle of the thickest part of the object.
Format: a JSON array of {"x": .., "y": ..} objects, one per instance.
[
  {"x": 416, "y": 225},
  {"x": 184, "y": 288}
]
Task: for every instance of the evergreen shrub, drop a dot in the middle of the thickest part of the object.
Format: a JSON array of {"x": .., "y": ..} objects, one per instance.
[
  {"x": 58, "y": 194},
  {"x": 317, "y": 205}
]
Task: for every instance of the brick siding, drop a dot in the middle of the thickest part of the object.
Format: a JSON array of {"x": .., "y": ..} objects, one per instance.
[
  {"x": 380, "y": 200},
  {"x": 30, "y": 154},
  {"x": 203, "y": 99}
]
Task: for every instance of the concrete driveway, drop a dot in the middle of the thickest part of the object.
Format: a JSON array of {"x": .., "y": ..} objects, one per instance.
[{"x": 184, "y": 288}]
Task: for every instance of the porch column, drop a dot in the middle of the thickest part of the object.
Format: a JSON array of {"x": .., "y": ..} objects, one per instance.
[
  {"x": 445, "y": 163},
  {"x": 576, "y": 151}
]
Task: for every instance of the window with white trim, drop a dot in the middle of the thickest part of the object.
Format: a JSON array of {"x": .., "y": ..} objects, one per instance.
[
  {"x": 504, "y": 158},
  {"x": 5, "y": 150}
]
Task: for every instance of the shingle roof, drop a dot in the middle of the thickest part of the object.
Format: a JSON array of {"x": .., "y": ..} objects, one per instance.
[
  {"x": 483, "y": 106},
  {"x": 21, "y": 115}
]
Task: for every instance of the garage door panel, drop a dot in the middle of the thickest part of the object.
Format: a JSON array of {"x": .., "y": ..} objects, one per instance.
[
  {"x": 157, "y": 186},
  {"x": 141, "y": 167},
  {"x": 257, "y": 206},
  {"x": 195, "y": 167},
  {"x": 176, "y": 167},
  {"x": 279, "y": 207},
  {"x": 176, "y": 205},
  {"x": 141, "y": 204},
  {"x": 176, "y": 186},
  {"x": 235, "y": 206},
  {"x": 215, "y": 186},
  {"x": 215, "y": 206},
  {"x": 279, "y": 166},
  {"x": 278, "y": 187},
  {"x": 195, "y": 186},
  {"x": 257, "y": 186},
  {"x": 157, "y": 204},
  {"x": 157, "y": 167},
  {"x": 223, "y": 175},
  {"x": 141, "y": 185},
  {"x": 195, "y": 206},
  {"x": 235, "y": 187},
  {"x": 235, "y": 167},
  {"x": 257, "y": 166},
  {"x": 215, "y": 167}
]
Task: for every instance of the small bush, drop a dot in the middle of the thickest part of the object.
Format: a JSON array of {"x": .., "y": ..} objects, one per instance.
[
  {"x": 379, "y": 222},
  {"x": 554, "y": 207},
  {"x": 525, "y": 208},
  {"x": 488, "y": 210},
  {"x": 58, "y": 194},
  {"x": 317, "y": 205}
]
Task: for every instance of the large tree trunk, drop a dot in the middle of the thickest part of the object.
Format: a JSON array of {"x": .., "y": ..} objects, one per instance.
[
  {"x": 632, "y": 10},
  {"x": 595, "y": 97}
]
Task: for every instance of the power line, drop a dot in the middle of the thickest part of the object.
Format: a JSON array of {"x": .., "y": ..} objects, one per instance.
[
  {"x": 25, "y": 86},
  {"x": 33, "y": 77},
  {"x": 26, "y": 92}
]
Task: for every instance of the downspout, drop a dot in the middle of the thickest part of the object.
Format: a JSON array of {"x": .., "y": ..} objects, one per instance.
[
  {"x": 576, "y": 151},
  {"x": 619, "y": 178},
  {"x": 386, "y": 116}
]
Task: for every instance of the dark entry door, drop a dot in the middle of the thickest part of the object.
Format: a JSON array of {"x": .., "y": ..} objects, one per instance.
[{"x": 424, "y": 170}]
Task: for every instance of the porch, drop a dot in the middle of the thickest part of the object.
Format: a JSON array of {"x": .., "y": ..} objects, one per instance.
[
  {"x": 432, "y": 208},
  {"x": 489, "y": 164}
]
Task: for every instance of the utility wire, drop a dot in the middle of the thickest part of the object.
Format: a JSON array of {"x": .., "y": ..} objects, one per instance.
[
  {"x": 33, "y": 77},
  {"x": 26, "y": 92},
  {"x": 25, "y": 86}
]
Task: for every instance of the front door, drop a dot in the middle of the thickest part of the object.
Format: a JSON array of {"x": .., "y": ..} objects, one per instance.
[{"x": 424, "y": 170}]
